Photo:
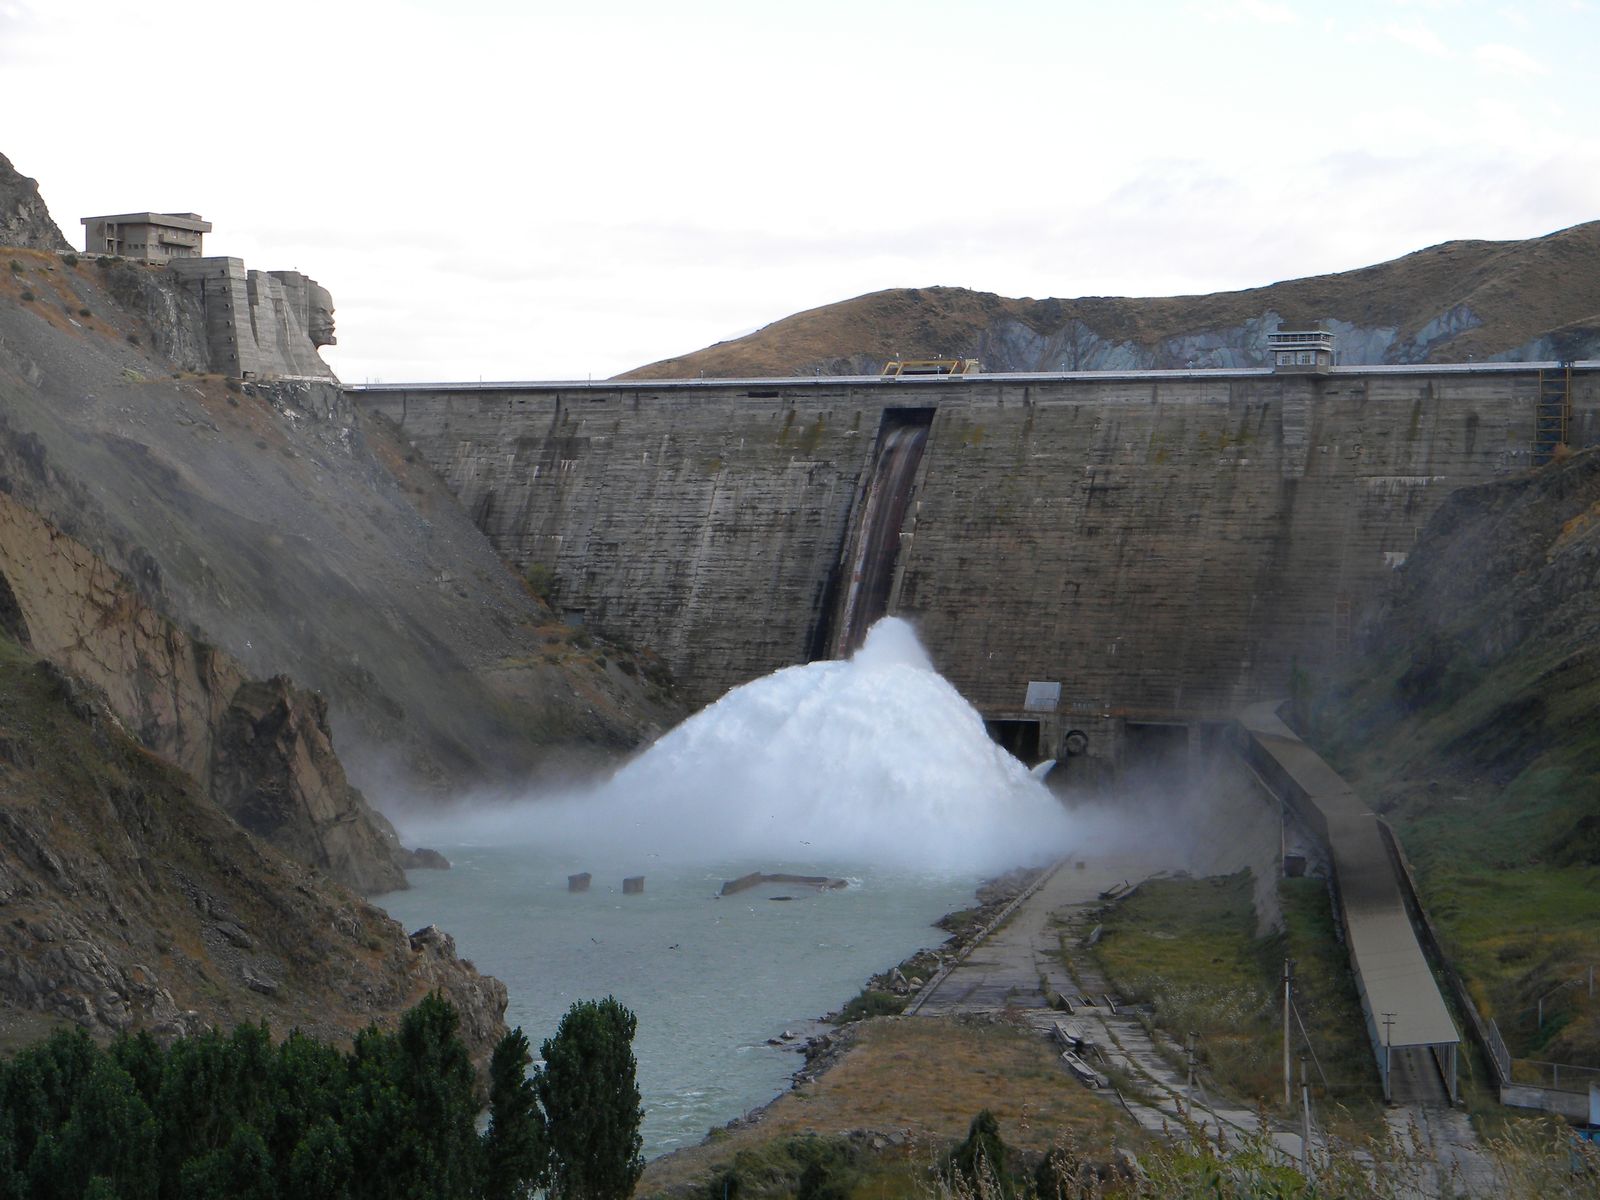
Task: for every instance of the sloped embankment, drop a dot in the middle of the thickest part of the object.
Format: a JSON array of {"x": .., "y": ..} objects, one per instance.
[
  {"x": 1469, "y": 722},
  {"x": 282, "y": 526}
]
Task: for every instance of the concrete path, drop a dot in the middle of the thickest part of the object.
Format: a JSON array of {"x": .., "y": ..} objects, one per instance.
[
  {"x": 1019, "y": 968},
  {"x": 1445, "y": 1147}
]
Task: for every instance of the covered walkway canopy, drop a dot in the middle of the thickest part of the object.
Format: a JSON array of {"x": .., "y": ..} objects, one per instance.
[{"x": 1399, "y": 997}]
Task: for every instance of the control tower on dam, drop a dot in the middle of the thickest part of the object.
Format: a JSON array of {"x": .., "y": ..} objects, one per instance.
[{"x": 1093, "y": 559}]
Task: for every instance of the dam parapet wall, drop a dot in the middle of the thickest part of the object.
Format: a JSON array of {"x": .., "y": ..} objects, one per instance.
[{"x": 1166, "y": 546}]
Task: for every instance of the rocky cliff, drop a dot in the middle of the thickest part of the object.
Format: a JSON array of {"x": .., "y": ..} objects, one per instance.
[
  {"x": 130, "y": 901},
  {"x": 24, "y": 219},
  {"x": 1514, "y": 301},
  {"x": 299, "y": 536},
  {"x": 260, "y": 749}
]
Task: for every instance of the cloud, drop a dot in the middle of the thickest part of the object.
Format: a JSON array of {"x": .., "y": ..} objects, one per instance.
[
  {"x": 1420, "y": 38},
  {"x": 1256, "y": 12},
  {"x": 1500, "y": 59}
]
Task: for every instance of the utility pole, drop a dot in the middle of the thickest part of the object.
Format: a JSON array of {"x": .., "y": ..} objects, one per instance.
[
  {"x": 1288, "y": 1080},
  {"x": 1388, "y": 1054},
  {"x": 1189, "y": 1089},
  {"x": 1305, "y": 1122}
]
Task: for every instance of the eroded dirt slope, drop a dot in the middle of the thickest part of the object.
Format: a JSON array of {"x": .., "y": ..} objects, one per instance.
[{"x": 279, "y": 524}]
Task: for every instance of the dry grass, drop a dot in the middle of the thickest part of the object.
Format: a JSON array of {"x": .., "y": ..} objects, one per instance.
[
  {"x": 57, "y": 300},
  {"x": 1507, "y": 285},
  {"x": 926, "y": 1077}
]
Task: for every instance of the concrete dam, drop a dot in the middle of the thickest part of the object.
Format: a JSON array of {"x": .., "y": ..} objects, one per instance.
[{"x": 1099, "y": 561}]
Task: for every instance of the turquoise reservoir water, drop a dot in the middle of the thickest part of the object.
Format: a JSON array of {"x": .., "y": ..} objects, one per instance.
[{"x": 710, "y": 979}]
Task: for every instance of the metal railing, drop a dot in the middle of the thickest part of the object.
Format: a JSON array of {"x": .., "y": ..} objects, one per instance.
[
  {"x": 1493, "y": 1042},
  {"x": 1556, "y": 1077}
]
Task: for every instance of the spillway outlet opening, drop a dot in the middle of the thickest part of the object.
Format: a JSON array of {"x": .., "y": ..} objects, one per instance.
[{"x": 1018, "y": 737}]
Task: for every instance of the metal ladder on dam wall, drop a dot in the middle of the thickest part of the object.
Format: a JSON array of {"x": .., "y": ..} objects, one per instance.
[{"x": 1552, "y": 411}]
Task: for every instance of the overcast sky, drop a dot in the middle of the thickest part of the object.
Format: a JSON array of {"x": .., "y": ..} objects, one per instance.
[{"x": 527, "y": 190}]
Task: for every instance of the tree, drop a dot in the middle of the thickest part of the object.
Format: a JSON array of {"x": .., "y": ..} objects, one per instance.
[
  {"x": 308, "y": 1090},
  {"x": 320, "y": 1167},
  {"x": 240, "y": 1170},
  {"x": 514, "y": 1150},
  {"x": 591, "y": 1103},
  {"x": 982, "y": 1155},
  {"x": 111, "y": 1135},
  {"x": 411, "y": 1108}
]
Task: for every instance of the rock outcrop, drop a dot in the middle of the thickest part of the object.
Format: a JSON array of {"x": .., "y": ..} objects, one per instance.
[
  {"x": 1525, "y": 301},
  {"x": 273, "y": 769},
  {"x": 129, "y": 901},
  {"x": 24, "y": 220},
  {"x": 1488, "y": 648},
  {"x": 260, "y": 749}
]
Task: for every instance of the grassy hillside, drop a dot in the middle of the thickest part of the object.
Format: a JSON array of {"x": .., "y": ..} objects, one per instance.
[
  {"x": 1189, "y": 948},
  {"x": 1470, "y": 723}
]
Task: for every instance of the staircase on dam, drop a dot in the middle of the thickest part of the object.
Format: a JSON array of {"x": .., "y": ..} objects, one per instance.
[{"x": 1552, "y": 412}]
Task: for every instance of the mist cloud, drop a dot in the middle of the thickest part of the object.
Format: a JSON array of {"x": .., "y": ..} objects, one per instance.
[{"x": 873, "y": 762}]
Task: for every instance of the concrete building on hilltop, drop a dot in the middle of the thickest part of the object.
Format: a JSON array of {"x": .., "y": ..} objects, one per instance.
[{"x": 147, "y": 236}]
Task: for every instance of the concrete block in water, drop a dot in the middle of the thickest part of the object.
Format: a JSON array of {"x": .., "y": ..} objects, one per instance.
[
  {"x": 579, "y": 882},
  {"x": 744, "y": 882},
  {"x": 633, "y": 885}
]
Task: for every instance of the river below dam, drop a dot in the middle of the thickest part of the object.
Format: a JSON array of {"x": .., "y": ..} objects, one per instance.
[
  {"x": 710, "y": 979},
  {"x": 874, "y": 770}
]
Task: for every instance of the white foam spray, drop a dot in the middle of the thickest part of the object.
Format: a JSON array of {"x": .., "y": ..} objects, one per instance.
[{"x": 877, "y": 761}]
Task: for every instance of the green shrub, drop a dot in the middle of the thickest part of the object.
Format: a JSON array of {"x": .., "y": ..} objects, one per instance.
[
  {"x": 541, "y": 580},
  {"x": 980, "y": 1161},
  {"x": 871, "y": 1003}
]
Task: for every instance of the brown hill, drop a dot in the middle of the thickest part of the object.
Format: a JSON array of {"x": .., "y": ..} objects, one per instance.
[{"x": 1517, "y": 300}]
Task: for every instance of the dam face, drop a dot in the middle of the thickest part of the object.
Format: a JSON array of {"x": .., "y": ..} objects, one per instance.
[{"x": 1165, "y": 546}]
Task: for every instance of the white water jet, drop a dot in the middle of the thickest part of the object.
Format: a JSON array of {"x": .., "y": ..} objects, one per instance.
[{"x": 873, "y": 761}]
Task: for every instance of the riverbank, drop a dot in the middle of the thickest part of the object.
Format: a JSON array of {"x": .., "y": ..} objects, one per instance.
[{"x": 891, "y": 1091}]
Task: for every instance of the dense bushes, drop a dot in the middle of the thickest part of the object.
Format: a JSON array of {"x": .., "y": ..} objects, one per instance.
[{"x": 237, "y": 1116}]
